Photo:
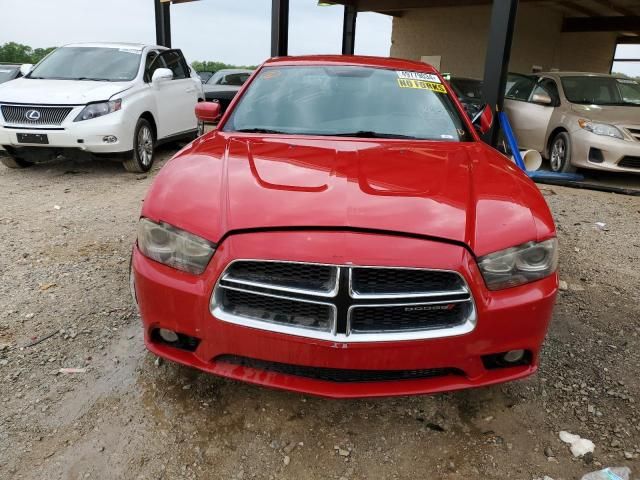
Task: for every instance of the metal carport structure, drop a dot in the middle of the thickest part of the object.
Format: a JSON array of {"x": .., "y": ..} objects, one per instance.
[{"x": 621, "y": 16}]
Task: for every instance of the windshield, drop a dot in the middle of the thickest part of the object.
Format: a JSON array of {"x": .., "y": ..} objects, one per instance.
[
  {"x": 601, "y": 90},
  {"x": 348, "y": 101},
  {"x": 7, "y": 73},
  {"x": 89, "y": 63}
]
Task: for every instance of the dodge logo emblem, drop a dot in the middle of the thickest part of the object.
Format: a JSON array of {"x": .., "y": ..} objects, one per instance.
[{"x": 33, "y": 115}]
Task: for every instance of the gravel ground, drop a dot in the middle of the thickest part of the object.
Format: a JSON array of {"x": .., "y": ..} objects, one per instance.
[{"x": 66, "y": 231}]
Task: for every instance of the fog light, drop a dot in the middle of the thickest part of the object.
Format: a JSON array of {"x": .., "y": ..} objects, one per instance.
[
  {"x": 109, "y": 139},
  {"x": 168, "y": 336},
  {"x": 513, "y": 356}
]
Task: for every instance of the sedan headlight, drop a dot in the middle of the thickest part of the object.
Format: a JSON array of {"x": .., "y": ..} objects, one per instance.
[
  {"x": 603, "y": 129},
  {"x": 173, "y": 247},
  {"x": 518, "y": 265},
  {"x": 94, "y": 110}
]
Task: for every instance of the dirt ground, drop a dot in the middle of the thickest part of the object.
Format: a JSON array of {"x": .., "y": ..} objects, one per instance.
[{"x": 66, "y": 231}]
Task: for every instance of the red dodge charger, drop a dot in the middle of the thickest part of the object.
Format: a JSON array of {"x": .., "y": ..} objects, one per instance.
[{"x": 344, "y": 232}]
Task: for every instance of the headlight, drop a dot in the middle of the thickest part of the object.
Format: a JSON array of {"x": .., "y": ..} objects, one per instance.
[
  {"x": 603, "y": 129},
  {"x": 173, "y": 247},
  {"x": 94, "y": 110},
  {"x": 518, "y": 265}
]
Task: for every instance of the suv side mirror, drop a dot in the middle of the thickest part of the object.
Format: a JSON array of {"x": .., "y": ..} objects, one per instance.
[
  {"x": 161, "y": 75},
  {"x": 483, "y": 119},
  {"x": 208, "y": 112},
  {"x": 26, "y": 68},
  {"x": 541, "y": 99}
]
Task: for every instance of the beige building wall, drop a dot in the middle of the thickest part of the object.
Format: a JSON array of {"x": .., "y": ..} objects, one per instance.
[{"x": 460, "y": 34}]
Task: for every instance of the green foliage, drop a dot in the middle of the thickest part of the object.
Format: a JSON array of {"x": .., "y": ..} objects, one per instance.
[
  {"x": 215, "y": 66},
  {"x": 17, "y": 53}
]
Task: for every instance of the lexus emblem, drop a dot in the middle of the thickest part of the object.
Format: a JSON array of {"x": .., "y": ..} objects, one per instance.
[{"x": 33, "y": 115}]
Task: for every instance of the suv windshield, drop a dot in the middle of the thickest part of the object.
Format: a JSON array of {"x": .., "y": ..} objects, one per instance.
[
  {"x": 348, "y": 101},
  {"x": 89, "y": 63},
  {"x": 601, "y": 90}
]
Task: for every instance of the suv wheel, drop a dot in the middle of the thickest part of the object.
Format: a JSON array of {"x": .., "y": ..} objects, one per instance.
[
  {"x": 560, "y": 157},
  {"x": 143, "y": 148},
  {"x": 9, "y": 160}
]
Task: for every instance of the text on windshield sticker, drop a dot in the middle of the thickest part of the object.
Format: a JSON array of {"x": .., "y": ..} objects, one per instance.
[
  {"x": 419, "y": 84},
  {"x": 425, "y": 77}
]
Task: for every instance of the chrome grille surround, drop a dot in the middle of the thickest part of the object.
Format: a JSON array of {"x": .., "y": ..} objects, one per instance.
[
  {"x": 47, "y": 115},
  {"x": 342, "y": 300},
  {"x": 634, "y": 131}
]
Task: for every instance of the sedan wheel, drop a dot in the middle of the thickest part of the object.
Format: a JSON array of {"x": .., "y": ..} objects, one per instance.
[
  {"x": 560, "y": 157},
  {"x": 558, "y": 154}
]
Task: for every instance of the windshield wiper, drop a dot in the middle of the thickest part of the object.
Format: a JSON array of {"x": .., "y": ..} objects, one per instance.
[
  {"x": 370, "y": 134},
  {"x": 95, "y": 79},
  {"x": 258, "y": 130}
]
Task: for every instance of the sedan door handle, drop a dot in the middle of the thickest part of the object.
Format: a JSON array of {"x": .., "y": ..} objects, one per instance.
[{"x": 190, "y": 90}]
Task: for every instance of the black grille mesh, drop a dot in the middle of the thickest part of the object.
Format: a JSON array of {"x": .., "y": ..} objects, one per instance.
[
  {"x": 407, "y": 318},
  {"x": 629, "y": 162},
  {"x": 337, "y": 374},
  {"x": 399, "y": 281},
  {"x": 289, "y": 275},
  {"x": 277, "y": 310}
]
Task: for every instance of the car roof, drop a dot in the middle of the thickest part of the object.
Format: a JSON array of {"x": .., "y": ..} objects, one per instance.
[
  {"x": 577, "y": 74},
  {"x": 352, "y": 60},
  {"x": 130, "y": 46},
  {"x": 234, "y": 70}
]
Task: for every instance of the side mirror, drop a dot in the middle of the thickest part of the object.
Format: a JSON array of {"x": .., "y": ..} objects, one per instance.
[
  {"x": 26, "y": 68},
  {"x": 161, "y": 75},
  {"x": 541, "y": 99},
  {"x": 483, "y": 119},
  {"x": 208, "y": 112}
]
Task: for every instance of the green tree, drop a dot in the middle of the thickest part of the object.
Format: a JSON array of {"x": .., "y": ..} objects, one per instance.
[{"x": 13, "y": 52}]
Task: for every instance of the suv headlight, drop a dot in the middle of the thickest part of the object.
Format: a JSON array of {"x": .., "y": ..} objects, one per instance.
[
  {"x": 518, "y": 265},
  {"x": 174, "y": 247},
  {"x": 603, "y": 129},
  {"x": 94, "y": 110}
]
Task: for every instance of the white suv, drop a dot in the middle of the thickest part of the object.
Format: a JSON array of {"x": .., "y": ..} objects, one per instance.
[{"x": 99, "y": 100}]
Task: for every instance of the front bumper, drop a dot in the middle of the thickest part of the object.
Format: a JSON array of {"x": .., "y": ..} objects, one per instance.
[
  {"x": 512, "y": 319},
  {"x": 86, "y": 136},
  {"x": 613, "y": 151}
]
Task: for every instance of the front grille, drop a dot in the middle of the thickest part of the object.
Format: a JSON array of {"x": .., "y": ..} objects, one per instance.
[
  {"x": 300, "y": 276},
  {"x": 634, "y": 132},
  {"x": 376, "y": 281},
  {"x": 408, "y": 318},
  {"x": 24, "y": 115},
  {"x": 629, "y": 162},
  {"x": 338, "y": 375},
  {"x": 274, "y": 309},
  {"x": 344, "y": 303}
]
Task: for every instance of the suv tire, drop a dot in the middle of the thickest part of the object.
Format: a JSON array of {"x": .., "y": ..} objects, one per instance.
[
  {"x": 143, "y": 148},
  {"x": 560, "y": 154},
  {"x": 9, "y": 160}
]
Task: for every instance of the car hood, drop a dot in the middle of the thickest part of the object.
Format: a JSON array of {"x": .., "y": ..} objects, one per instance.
[
  {"x": 609, "y": 114},
  {"x": 465, "y": 193},
  {"x": 59, "y": 92}
]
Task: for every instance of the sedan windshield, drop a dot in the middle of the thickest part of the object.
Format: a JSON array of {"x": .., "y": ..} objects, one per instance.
[
  {"x": 89, "y": 63},
  {"x": 601, "y": 90},
  {"x": 348, "y": 101}
]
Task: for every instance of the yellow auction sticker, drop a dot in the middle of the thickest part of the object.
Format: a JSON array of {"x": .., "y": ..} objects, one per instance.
[{"x": 419, "y": 84}]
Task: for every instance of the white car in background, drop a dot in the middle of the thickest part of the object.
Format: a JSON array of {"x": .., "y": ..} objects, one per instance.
[{"x": 111, "y": 100}]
